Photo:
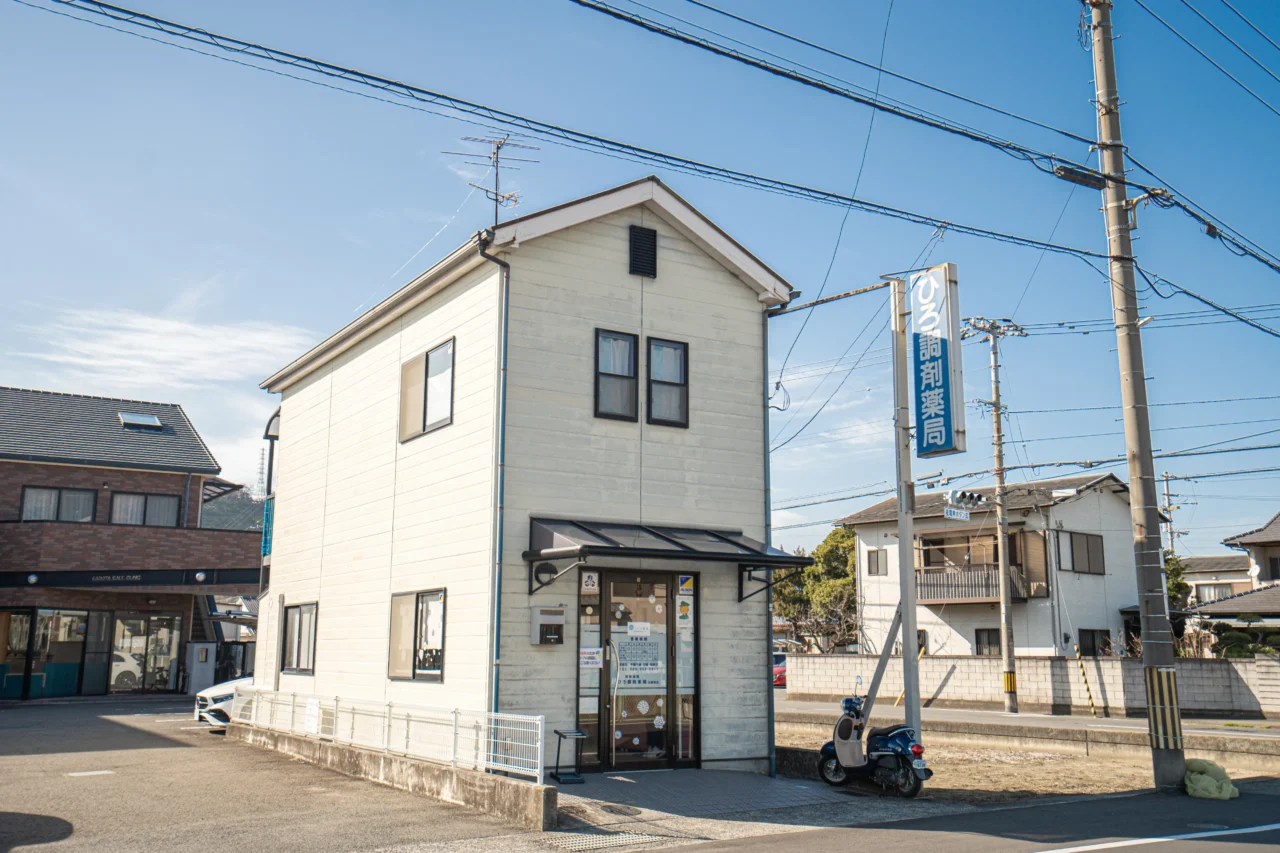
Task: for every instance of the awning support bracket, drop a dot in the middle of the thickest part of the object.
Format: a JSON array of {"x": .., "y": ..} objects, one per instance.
[
  {"x": 535, "y": 584},
  {"x": 748, "y": 573}
]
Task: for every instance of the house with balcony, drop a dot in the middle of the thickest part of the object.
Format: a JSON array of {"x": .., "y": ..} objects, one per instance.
[
  {"x": 1071, "y": 570},
  {"x": 534, "y": 481},
  {"x": 106, "y": 575}
]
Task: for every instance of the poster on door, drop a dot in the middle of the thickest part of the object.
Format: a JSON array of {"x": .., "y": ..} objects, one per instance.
[
  {"x": 641, "y": 663},
  {"x": 684, "y": 614}
]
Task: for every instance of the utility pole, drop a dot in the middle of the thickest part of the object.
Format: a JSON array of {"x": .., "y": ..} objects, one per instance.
[
  {"x": 494, "y": 161},
  {"x": 1168, "y": 511},
  {"x": 1164, "y": 723},
  {"x": 994, "y": 331},
  {"x": 906, "y": 503}
]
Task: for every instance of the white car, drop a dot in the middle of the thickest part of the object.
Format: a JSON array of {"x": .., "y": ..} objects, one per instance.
[{"x": 213, "y": 704}]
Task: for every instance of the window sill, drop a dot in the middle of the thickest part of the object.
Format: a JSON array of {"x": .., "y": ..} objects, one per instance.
[
  {"x": 427, "y": 431},
  {"x": 677, "y": 424},
  {"x": 635, "y": 419},
  {"x": 421, "y": 679},
  {"x": 297, "y": 672}
]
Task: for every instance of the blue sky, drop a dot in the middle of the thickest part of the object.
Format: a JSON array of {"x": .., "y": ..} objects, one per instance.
[{"x": 175, "y": 227}]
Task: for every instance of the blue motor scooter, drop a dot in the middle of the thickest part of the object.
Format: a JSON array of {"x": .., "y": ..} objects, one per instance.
[{"x": 893, "y": 757}]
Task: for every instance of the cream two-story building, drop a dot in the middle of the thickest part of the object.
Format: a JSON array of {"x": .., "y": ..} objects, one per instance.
[
  {"x": 534, "y": 480},
  {"x": 1071, "y": 570}
]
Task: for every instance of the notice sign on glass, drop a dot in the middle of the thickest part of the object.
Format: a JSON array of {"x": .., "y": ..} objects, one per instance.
[
  {"x": 936, "y": 362},
  {"x": 641, "y": 663}
]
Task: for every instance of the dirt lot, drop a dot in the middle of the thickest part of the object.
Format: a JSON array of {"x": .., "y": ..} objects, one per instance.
[{"x": 984, "y": 776}]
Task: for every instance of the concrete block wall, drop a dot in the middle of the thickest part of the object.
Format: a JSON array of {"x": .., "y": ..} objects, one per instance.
[{"x": 1220, "y": 687}]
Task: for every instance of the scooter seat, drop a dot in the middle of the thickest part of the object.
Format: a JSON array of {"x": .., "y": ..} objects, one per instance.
[{"x": 884, "y": 731}]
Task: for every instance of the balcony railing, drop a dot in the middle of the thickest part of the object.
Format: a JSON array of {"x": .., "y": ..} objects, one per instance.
[
  {"x": 268, "y": 516},
  {"x": 978, "y": 583}
]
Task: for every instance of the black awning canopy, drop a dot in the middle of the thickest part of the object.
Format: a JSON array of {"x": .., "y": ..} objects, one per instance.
[{"x": 559, "y": 539}]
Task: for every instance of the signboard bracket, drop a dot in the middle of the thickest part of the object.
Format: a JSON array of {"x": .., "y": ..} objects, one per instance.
[{"x": 748, "y": 573}]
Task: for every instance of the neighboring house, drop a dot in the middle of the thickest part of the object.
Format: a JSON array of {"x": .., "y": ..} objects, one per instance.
[
  {"x": 1212, "y": 578},
  {"x": 1263, "y": 602},
  {"x": 1072, "y": 570},
  {"x": 1263, "y": 549},
  {"x": 534, "y": 480},
  {"x": 102, "y": 559}
]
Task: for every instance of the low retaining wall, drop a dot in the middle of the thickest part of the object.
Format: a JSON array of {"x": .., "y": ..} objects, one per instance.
[
  {"x": 1247, "y": 753},
  {"x": 523, "y": 803},
  {"x": 1234, "y": 688}
]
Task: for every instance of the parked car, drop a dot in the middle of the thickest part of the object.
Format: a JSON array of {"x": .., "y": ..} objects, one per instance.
[
  {"x": 213, "y": 704},
  {"x": 779, "y": 669}
]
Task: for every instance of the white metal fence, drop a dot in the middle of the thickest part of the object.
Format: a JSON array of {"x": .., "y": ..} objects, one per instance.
[{"x": 474, "y": 740}]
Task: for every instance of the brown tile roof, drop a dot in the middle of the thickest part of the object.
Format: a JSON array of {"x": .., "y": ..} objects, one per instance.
[
  {"x": 1037, "y": 493},
  {"x": 1263, "y": 602},
  {"x": 1264, "y": 535},
  {"x": 1222, "y": 563}
]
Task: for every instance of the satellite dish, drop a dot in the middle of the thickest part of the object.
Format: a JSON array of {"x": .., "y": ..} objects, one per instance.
[{"x": 1253, "y": 571}]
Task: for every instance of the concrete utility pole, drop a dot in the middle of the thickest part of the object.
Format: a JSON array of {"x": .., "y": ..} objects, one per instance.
[
  {"x": 994, "y": 331},
  {"x": 906, "y": 503},
  {"x": 1164, "y": 724}
]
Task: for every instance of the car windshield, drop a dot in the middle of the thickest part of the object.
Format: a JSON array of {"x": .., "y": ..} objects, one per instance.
[{"x": 779, "y": 659}]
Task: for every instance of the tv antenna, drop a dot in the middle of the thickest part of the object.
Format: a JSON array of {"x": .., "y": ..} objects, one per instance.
[{"x": 495, "y": 161}]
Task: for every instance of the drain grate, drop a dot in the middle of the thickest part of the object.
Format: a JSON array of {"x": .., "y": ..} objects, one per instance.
[{"x": 599, "y": 840}]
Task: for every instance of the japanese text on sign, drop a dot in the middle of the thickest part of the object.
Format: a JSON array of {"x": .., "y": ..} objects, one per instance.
[{"x": 939, "y": 387}]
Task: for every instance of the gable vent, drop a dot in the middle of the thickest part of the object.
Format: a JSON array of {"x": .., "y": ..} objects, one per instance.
[{"x": 644, "y": 251}]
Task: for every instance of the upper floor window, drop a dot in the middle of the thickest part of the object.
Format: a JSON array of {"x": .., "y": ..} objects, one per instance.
[
  {"x": 1081, "y": 553},
  {"x": 417, "y": 636},
  {"x": 668, "y": 383},
  {"x": 616, "y": 386},
  {"x": 877, "y": 561},
  {"x": 426, "y": 391},
  {"x": 1206, "y": 592},
  {"x": 150, "y": 510},
  {"x": 49, "y": 504},
  {"x": 299, "y": 655}
]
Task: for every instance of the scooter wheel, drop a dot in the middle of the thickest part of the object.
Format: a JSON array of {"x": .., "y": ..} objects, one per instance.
[
  {"x": 831, "y": 771},
  {"x": 909, "y": 784}
]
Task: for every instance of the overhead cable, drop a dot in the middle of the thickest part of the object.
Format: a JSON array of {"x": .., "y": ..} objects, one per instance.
[
  {"x": 535, "y": 127},
  {"x": 1251, "y": 24},
  {"x": 1235, "y": 43},
  {"x": 1149, "y": 405}
]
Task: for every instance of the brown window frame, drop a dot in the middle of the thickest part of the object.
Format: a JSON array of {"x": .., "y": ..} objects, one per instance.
[
  {"x": 111, "y": 510},
  {"x": 22, "y": 506}
]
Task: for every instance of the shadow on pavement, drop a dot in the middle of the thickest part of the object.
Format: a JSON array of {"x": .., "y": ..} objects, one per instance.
[
  {"x": 49, "y": 729},
  {"x": 17, "y": 829}
]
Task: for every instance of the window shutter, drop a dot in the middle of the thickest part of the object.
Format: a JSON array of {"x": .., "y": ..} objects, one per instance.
[{"x": 644, "y": 251}]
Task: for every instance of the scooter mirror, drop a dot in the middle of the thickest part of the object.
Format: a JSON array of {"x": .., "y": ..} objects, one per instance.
[{"x": 859, "y": 681}]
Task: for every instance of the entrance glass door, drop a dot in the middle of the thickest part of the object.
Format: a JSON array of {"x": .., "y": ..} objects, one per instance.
[
  {"x": 144, "y": 655},
  {"x": 128, "y": 654},
  {"x": 15, "y": 634},
  {"x": 637, "y": 616},
  {"x": 163, "y": 633}
]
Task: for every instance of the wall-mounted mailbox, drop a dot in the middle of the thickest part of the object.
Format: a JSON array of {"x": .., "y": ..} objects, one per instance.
[{"x": 546, "y": 627}]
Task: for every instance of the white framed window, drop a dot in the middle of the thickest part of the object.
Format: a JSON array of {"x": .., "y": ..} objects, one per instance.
[
  {"x": 426, "y": 391},
  {"x": 1206, "y": 592}
]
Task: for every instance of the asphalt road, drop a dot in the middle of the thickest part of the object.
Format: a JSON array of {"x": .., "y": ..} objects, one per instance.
[
  {"x": 1154, "y": 822},
  {"x": 142, "y": 776}
]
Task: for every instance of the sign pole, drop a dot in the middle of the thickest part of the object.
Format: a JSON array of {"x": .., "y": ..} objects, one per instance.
[{"x": 906, "y": 503}]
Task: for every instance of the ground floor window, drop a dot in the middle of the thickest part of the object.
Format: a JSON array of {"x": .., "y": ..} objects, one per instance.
[
  {"x": 417, "y": 636},
  {"x": 987, "y": 642},
  {"x": 1095, "y": 642},
  {"x": 299, "y": 639}
]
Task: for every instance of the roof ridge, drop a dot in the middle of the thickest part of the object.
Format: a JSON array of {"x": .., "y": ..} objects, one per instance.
[
  {"x": 1257, "y": 529},
  {"x": 1239, "y": 594},
  {"x": 86, "y": 396}
]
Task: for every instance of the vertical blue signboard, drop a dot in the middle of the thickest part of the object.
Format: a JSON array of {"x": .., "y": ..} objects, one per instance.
[{"x": 936, "y": 362}]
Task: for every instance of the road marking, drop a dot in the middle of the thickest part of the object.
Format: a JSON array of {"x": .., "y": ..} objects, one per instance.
[
  {"x": 1189, "y": 836},
  {"x": 93, "y": 773},
  {"x": 189, "y": 728}
]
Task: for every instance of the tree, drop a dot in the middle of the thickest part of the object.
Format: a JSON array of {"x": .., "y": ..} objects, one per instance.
[
  {"x": 821, "y": 601},
  {"x": 1179, "y": 589}
]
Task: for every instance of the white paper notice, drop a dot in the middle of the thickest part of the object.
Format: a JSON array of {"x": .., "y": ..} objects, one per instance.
[
  {"x": 312, "y": 722},
  {"x": 588, "y": 705},
  {"x": 638, "y": 629},
  {"x": 591, "y": 658}
]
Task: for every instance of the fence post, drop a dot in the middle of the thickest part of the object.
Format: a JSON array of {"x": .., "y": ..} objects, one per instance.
[
  {"x": 408, "y": 721},
  {"x": 455, "y": 737},
  {"x": 541, "y": 723},
  {"x": 336, "y": 701},
  {"x": 293, "y": 711},
  {"x": 386, "y": 731}
]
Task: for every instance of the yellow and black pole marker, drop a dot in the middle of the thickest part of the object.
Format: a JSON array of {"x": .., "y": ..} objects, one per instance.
[
  {"x": 1088, "y": 691},
  {"x": 1164, "y": 724}
]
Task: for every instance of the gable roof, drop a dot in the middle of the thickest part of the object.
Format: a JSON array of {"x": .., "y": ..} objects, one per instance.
[
  {"x": 78, "y": 429},
  {"x": 1264, "y": 601},
  {"x": 1030, "y": 495},
  {"x": 651, "y": 192},
  {"x": 1220, "y": 563},
  {"x": 1264, "y": 535}
]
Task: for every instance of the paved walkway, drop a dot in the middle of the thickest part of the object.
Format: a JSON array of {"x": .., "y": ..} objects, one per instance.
[{"x": 884, "y": 710}]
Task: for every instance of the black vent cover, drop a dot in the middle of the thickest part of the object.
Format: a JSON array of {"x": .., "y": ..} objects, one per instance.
[{"x": 644, "y": 251}]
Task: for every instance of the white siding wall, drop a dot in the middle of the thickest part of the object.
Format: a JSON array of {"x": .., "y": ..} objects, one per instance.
[
  {"x": 359, "y": 515},
  {"x": 1076, "y": 601},
  {"x": 561, "y": 460}
]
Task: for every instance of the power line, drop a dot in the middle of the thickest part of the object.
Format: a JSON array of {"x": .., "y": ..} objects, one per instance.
[
  {"x": 1157, "y": 429},
  {"x": 1229, "y": 312},
  {"x": 1112, "y": 408},
  {"x": 1251, "y": 24},
  {"x": 535, "y": 127},
  {"x": 857, "y": 182},
  {"x": 1220, "y": 474},
  {"x": 881, "y": 69},
  {"x": 1206, "y": 57},
  {"x": 1235, "y": 43},
  {"x": 1040, "y": 260}
]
